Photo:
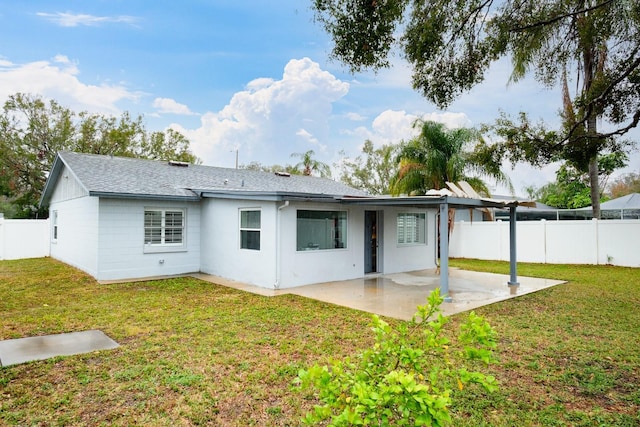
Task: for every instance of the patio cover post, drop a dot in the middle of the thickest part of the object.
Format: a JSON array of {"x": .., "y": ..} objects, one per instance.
[
  {"x": 444, "y": 251},
  {"x": 513, "y": 280}
]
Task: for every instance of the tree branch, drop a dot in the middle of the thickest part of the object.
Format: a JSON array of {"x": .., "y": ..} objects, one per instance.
[{"x": 560, "y": 17}]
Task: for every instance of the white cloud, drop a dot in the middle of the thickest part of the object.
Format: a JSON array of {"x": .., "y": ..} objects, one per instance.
[
  {"x": 271, "y": 118},
  {"x": 392, "y": 126},
  {"x": 355, "y": 117},
  {"x": 170, "y": 106},
  {"x": 67, "y": 19},
  {"x": 308, "y": 137},
  {"x": 58, "y": 79}
]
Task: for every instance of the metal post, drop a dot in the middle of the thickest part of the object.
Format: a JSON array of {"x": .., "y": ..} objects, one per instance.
[
  {"x": 513, "y": 280},
  {"x": 444, "y": 252}
]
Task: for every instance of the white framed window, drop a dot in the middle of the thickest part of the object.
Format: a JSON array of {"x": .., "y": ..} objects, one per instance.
[
  {"x": 250, "y": 229},
  {"x": 164, "y": 228},
  {"x": 320, "y": 230},
  {"x": 412, "y": 228},
  {"x": 54, "y": 226}
]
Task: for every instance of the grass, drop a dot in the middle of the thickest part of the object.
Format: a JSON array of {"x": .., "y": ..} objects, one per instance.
[{"x": 193, "y": 353}]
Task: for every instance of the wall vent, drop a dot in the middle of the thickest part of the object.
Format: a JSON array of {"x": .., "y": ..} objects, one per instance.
[{"x": 179, "y": 164}]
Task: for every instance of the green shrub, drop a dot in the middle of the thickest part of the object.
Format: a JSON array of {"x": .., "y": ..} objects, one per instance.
[{"x": 407, "y": 377}]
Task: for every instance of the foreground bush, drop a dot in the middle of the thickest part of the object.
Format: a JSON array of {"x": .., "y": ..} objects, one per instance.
[{"x": 407, "y": 377}]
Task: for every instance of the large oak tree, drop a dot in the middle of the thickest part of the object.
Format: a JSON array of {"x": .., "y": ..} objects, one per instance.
[{"x": 451, "y": 44}]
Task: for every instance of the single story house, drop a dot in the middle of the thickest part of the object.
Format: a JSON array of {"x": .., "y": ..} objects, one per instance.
[{"x": 124, "y": 218}]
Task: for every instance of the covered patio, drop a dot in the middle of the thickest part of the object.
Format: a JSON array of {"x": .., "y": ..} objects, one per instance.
[{"x": 397, "y": 295}]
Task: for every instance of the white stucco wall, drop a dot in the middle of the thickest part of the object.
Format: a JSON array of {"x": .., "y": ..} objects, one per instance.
[
  {"x": 221, "y": 254},
  {"x": 77, "y": 242},
  {"x": 122, "y": 253},
  {"x": 305, "y": 267},
  {"x": 399, "y": 258}
]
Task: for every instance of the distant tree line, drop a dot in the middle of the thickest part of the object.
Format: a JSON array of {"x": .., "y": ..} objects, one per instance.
[{"x": 34, "y": 130}]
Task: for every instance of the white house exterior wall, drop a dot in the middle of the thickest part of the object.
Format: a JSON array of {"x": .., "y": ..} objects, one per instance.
[
  {"x": 77, "y": 242},
  {"x": 220, "y": 242},
  {"x": 67, "y": 188},
  {"x": 399, "y": 258},
  {"x": 299, "y": 268},
  {"x": 121, "y": 241}
]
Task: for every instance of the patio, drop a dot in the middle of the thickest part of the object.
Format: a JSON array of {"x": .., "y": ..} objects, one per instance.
[{"x": 398, "y": 295}]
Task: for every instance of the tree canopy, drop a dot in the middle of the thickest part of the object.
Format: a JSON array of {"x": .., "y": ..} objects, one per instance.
[
  {"x": 625, "y": 184},
  {"x": 373, "y": 170},
  {"x": 33, "y": 131},
  {"x": 451, "y": 45},
  {"x": 439, "y": 155}
]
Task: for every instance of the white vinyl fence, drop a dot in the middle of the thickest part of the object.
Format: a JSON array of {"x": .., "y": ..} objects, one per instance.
[
  {"x": 615, "y": 242},
  {"x": 24, "y": 238}
]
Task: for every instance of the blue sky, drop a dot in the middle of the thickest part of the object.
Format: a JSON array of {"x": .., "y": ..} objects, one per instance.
[{"x": 248, "y": 75}]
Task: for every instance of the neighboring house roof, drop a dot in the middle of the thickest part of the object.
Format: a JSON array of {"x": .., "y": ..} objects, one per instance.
[
  {"x": 108, "y": 176},
  {"x": 630, "y": 201}
]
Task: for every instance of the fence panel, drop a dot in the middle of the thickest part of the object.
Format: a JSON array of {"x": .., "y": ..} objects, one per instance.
[
  {"x": 24, "y": 238},
  {"x": 554, "y": 242}
]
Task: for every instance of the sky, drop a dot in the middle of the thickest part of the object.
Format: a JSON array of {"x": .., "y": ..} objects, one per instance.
[{"x": 250, "y": 76}]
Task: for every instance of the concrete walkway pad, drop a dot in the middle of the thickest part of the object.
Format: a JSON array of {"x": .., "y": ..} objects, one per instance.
[{"x": 21, "y": 350}]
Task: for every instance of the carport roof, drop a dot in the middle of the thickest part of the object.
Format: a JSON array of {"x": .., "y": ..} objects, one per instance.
[{"x": 454, "y": 202}]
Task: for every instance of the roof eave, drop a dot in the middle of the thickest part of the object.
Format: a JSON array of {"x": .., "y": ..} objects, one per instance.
[
  {"x": 267, "y": 195},
  {"x": 164, "y": 197},
  {"x": 430, "y": 201}
]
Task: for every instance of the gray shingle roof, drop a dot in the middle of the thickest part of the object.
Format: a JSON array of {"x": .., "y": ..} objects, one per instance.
[{"x": 121, "y": 176}]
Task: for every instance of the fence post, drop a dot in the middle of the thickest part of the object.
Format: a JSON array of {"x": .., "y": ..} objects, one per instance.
[{"x": 1, "y": 236}]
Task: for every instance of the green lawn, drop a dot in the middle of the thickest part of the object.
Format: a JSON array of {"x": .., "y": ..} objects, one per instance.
[{"x": 193, "y": 353}]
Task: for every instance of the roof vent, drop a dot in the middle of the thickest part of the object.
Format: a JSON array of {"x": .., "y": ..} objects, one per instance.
[
  {"x": 179, "y": 164},
  {"x": 280, "y": 173}
]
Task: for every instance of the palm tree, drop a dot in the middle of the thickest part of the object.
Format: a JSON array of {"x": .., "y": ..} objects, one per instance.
[
  {"x": 309, "y": 165},
  {"x": 440, "y": 155}
]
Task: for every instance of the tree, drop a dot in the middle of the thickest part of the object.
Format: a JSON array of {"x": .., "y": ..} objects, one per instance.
[
  {"x": 571, "y": 188},
  {"x": 452, "y": 44},
  {"x": 308, "y": 165},
  {"x": 373, "y": 172},
  {"x": 440, "y": 155},
  {"x": 569, "y": 191},
  {"x": 33, "y": 131},
  {"x": 257, "y": 166},
  {"x": 625, "y": 184}
]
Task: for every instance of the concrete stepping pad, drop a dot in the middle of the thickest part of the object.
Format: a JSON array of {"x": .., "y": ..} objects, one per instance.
[{"x": 21, "y": 350}]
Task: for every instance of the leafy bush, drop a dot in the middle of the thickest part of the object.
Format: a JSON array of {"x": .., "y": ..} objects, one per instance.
[{"x": 407, "y": 377}]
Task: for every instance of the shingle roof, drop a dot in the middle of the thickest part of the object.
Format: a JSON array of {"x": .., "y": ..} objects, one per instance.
[{"x": 122, "y": 176}]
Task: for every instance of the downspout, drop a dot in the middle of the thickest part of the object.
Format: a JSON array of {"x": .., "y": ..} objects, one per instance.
[{"x": 276, "y": 285}]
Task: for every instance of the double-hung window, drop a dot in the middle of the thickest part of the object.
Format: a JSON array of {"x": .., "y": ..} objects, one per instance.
[
  {"x": 412, "y": 228},
  {"x": 250, "y": 229},
  {"x": 164, "y": 228}
]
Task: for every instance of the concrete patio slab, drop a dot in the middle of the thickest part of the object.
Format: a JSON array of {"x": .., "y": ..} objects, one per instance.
[
  {"x": 21, "y": 350},
  {"x": 398, "y": 295}
]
